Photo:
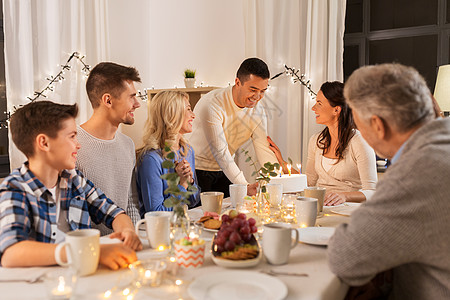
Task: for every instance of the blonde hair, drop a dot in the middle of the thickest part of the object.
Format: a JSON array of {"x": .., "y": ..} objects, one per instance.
[{"x": 166, "y": 113}]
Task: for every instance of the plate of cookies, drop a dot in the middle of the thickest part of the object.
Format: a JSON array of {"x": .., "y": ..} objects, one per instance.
[{"x": 210, "y": 223}]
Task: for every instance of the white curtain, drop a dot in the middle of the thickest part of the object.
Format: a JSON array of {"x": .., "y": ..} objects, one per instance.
[
  {"x": 304, "y": 34},
  {"x": 40, "y": 35}
]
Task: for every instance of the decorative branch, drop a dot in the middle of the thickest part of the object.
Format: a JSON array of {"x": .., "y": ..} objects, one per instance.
[
  {"x": 50, "y": 85},
  {"x": 295, "y": 77}
]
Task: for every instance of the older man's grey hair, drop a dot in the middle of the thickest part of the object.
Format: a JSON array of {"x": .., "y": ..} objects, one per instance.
[{"x": 398, "y": 94}]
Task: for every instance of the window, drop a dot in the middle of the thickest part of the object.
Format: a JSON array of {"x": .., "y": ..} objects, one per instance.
[{"x": 411, "y": 32}]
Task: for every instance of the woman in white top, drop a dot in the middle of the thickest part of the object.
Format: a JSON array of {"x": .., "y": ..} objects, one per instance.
[{"x": 339, "y": 159}]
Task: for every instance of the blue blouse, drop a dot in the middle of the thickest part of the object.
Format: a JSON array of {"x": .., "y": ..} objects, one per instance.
[{"x": 151, "y": 187}]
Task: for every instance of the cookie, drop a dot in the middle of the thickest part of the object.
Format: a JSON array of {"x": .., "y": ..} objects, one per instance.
[
  {"x": 241, "y": 254},
  {"x": 212, "y": 224},
  {"x": 205, "y": 218}
]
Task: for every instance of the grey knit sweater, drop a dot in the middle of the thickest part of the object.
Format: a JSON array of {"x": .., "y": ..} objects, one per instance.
[
  {"x": 405, "y": 227},
  {"x": 109, "y": 164}
]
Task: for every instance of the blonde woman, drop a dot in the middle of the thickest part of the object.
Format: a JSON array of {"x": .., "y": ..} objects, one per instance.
[{"x": 170, "y": 116}]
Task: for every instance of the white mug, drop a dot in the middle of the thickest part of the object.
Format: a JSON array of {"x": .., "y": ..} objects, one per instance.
[
  {"x": 82, "y": 251},
  {"x": 237, "y": 193},
  {"x": 306, "y": 211},
  {"x": 275, "y": 191},
  {"x": 277, "y": 242},
  {"x": 212, "y": 201},
  {"x": 157, "y": 229}
]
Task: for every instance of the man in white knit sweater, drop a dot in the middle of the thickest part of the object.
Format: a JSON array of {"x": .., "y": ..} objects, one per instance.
[
  {"x": 107, "y": 157},
  {"x": 404, "y": 228},
  {"x": 226, "y": 119}
]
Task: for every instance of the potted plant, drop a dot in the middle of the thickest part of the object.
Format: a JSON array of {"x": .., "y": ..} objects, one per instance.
[{"x": 189, "y": 78}]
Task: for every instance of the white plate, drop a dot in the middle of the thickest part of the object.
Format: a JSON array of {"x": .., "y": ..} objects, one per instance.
[
  {"x": 228, "y": 263},
  {"x": 315, "y": 235},
  {"x": 346, "y": 209},
  {"x": 235, "y": 285},
  {"x": 206, "y": 229}
]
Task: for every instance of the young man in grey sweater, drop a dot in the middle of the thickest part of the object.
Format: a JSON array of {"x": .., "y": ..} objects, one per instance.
[
  {"x": 107, "y": 156},
  {"x": 403, "y": 229}
]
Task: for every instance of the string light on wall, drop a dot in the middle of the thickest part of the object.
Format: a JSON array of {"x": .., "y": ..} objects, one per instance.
[
  {"x": 143, "y": 96},
  {"x": 50, "y": 87},
  {"x": 296, "y": 76}
]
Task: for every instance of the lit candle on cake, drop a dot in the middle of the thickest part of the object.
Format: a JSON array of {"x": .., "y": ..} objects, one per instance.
[
  {"x": 299, "y": 167},
  {"x": 289, "y": 169}
]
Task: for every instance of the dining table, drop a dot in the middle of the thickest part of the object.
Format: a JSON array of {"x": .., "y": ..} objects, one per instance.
[{"x": 317, "y": 281}]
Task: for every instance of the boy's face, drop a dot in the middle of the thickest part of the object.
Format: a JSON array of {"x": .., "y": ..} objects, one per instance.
[
  {"x": 63, "y": 148},
  {"x": 124, "y": 106}
]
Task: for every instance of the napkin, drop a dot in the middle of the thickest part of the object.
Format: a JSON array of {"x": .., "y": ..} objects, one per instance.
[{"x": 22, "y": 274}]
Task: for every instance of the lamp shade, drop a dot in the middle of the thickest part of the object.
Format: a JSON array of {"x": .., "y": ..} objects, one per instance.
[{"x": 442, "y": 88}]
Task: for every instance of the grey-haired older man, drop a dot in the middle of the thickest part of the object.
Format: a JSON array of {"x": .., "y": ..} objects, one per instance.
[{"x": 405, "y": 226}]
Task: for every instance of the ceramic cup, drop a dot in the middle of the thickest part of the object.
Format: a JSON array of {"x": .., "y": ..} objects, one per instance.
[
  {"x": 157, "y": 228},
  {"x": 237, "y": 194},
  {"x": 319, "y": 194},
  {"x": 306, "y": 211},
  {"x": 82, "y": 251},
  {"x": 275, "y": 191},
  {"x": 277, "y": 242},
  {"x": 212, "y": 201}
]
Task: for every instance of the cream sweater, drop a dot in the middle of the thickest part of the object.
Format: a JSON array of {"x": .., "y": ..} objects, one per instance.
[
  {"x": 405, "y": 226},
  {"x": 357, "y": 171},
  {"x": 221, "y": 127},
  {"x": 109, "y": 164}
]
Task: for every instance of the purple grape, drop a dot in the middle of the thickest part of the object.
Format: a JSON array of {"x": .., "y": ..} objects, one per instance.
[
  {"x": 220, "y": 248},
  {"x": 253, "y": 229},
  {"x": 225, "y": 218},
  {"x": 242, "y": 216},
  {"x": 247, "y": 237},
  {"x": 227, "y": 233},
  {"x": 229, "y": 245},
  {"x": 220, "y": 240},
  {"x": 251, "y": 222},
  {"x": 245, "y": 230},
  {"x": 235, "y": 237},
  {"x": 237, "y": 223}
]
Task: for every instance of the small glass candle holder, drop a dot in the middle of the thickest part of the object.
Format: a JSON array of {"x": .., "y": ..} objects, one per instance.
[
  {"x": 148, "y": 272},
  {"x": 288, "y": 208},
  {"x": 60, "y": 284},
  {"x": 172, "y": 265},
  {"x": 247, "y": 206}
]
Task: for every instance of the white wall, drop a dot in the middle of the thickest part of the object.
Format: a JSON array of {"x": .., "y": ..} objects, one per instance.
[{"x": 165, "y": 37}]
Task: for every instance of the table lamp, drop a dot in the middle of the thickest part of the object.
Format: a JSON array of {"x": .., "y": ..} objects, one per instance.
[{"x": 442, "y": 89}]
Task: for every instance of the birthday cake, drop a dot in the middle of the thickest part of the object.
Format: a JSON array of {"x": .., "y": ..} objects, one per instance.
[{"x": 291, "y": 184}]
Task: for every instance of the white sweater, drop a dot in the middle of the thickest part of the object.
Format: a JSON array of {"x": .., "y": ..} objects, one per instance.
[
  {"x": 357, "y": 171},
  {"x": 109, "y": 164},
  {"x": 221, "y": 127}
]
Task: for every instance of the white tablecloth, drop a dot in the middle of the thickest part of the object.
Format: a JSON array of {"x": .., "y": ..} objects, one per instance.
[{"x": 320, "y": 284}]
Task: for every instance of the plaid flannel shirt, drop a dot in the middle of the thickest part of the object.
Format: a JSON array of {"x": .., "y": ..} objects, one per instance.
[{"x": 28, "y": 211}]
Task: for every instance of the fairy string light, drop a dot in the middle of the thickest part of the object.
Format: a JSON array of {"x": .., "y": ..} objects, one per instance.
[
  {"x": 50, "y": 87},
  {"x": 296, "y": 76}
]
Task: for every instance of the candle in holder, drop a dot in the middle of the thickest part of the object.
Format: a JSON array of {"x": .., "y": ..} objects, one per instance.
[
  {"x": 289, "y": 168},
  {"x": 61, "y": 291},
  {"x": 148, "y": 272},
  {"x": 288, "y": 208},
  {"x": 60, "y": 284}
]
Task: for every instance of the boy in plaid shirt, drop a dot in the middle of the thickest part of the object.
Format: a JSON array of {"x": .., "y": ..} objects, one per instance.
[{"x": 47, "y": 197}]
